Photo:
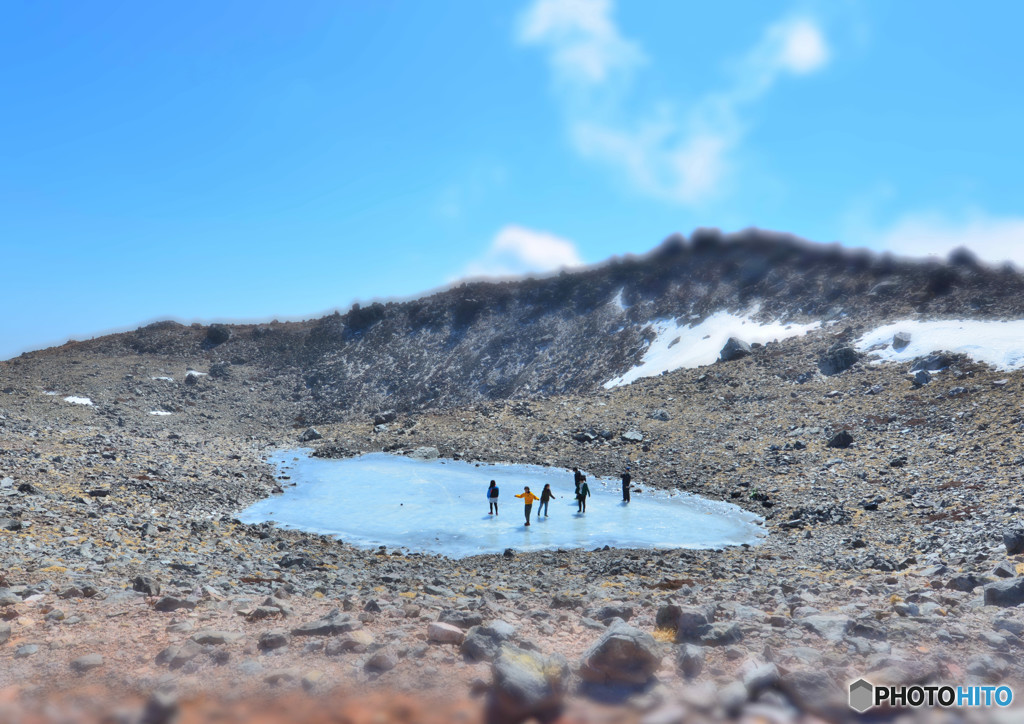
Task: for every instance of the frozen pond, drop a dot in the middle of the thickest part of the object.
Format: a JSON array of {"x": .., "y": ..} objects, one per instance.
[{"x": 439, "y": 506}]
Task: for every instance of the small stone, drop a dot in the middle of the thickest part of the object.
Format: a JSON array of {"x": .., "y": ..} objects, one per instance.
[
  {"x": 381, "y": 661},
  {"x": 87, "y": 663},
  {"x": 444, "y": 633},
  {"x": 272, "y": 640}
]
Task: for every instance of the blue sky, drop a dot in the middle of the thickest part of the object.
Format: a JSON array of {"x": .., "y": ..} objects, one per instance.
[{"x": 258, "y": 160}]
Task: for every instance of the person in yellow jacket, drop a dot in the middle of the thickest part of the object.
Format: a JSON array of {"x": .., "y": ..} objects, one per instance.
[{"x": 528, "y": 498}]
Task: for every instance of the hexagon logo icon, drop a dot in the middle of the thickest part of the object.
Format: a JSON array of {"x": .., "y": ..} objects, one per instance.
[{"x": 862, "y": 695}]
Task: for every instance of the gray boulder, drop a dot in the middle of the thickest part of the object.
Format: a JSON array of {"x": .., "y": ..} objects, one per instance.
[
  {"x": 463, "y": 619},
  {"x": 900, "y": 340},
  {"x": 483, "y": 643},
  {"x": 526, "y": 684},
  {"x": 690, "y": 660},
  {"x": 145, "y": 584},
  {"x": 380, "y": 661},
  {"x": 838, "y": 358},
  {"x": 271, "y": 640},
  {"x": 310, "y": 434},
  {"x": 690, "y": 621},
  {"x": 335, "y": 623},
  {"x": 1013, "y": 539},
  {"x": 931, "y": 363},
  {"x": 1005, "y": 593},
  {"x": 734, "y": 349},
  {"x": 5, "y": 633},
  {"x": 218, "y": 334},
  {"x": 608, "y": 612},
  {"x": 624, "y": 655}
]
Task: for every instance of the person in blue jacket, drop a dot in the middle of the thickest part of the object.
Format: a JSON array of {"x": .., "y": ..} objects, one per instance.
[{"x": 492, "y": 499}]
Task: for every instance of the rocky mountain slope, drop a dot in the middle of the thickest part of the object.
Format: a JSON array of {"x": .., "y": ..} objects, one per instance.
[{"x": 535, "y": 338}]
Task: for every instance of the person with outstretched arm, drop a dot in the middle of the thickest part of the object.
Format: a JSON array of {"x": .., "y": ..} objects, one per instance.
[
  {"x": 492, "y": 499},
  {"x": 582, "y": 493},
  {"x": 545, "y": 497},
  {"x": 626, "y": 480},
  {"x": 528, "y": 498}
]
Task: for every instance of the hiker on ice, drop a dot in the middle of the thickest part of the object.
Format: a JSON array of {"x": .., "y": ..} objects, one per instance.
[
  {"x": 545, "y": 497},
  {"x": 578, "y": 477},
  {"x": 528, "y": 498},
  {"x": 626, "y": 480},
  {"x": 582, "y": 493},
  {"x": 492, "y": 499}
]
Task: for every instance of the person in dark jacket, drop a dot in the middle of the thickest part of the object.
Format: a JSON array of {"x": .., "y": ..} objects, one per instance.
[
  {"x": 626, "y": 480},
  {"x": 582, "y": 493},
  {"x": 492, "y": 499},
  {"x": 545, "y": 497},
  {"x": 578, "y": 478}
]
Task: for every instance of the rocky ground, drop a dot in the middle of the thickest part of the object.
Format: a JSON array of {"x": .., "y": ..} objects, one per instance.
[{"x": 891, "y": 509}]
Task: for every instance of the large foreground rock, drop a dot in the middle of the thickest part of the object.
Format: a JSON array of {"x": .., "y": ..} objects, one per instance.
[
  {"x": 526, "y": 684},
  {"x": 1005, "y": 593},
  {"x": 1014, "y": 541},
  {"x": 623, "y": 655},
  {"x": 483, "y": 643}
]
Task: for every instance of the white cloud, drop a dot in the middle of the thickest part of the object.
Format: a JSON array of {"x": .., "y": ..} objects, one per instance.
[
  {"x": 516, "y": 251},
  {"x": 682, "y": 157},
  {"x": 993, "y": 239},
  {"x": 800, "y": 46},
  {"x": 585, "y": 45}
]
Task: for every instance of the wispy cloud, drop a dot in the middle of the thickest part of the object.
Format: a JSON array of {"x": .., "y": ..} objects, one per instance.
[
  {"x": 584, "y": 44},
  {"x": 681, "y": 156},
  {"x": 992, "y": 238},
  {"x": 516, "y": 251}
]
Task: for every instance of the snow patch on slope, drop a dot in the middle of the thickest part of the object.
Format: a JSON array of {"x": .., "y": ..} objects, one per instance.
[
  {"x": 78, "y": 400},
  {"x": 998, "y": 343},
  {"x": 679, "y": 345}
]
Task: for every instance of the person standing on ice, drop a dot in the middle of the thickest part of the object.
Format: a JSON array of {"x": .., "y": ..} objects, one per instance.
[
  {"x": 626, "y": 480},
  {"x": 582, "y": 493},
  {"x": 579, "y": 478},
  {"x": 545, "y": 497},
  {"x": 492, "y": 499},
  {"x": 528, "y": 498}
]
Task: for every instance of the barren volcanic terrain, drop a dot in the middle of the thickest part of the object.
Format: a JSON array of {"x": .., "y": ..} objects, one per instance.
[{"x": 890, "y": 493}]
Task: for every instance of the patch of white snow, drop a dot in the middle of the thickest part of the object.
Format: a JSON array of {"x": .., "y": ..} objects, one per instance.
[
  {"x": 998, "y": 343},
  {"x": 165, "y": 379},
  {"x": 78, "y": 400},
  {"x": 617, "y": 301},
  {"x": 159, "y": 412},
  {"x": 684, "y": 345}
]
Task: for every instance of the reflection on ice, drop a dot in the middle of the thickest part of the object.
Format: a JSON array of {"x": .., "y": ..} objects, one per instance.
[{"x": 439, "y": 506}]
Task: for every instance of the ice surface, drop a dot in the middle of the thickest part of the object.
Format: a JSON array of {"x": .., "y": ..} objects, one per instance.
[
  {"x": 439, "y": 506},
  {"x": 682, "y": 345},
  {"x": 78, "y": 400},
  {"x": 1000, "y": 344}
]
